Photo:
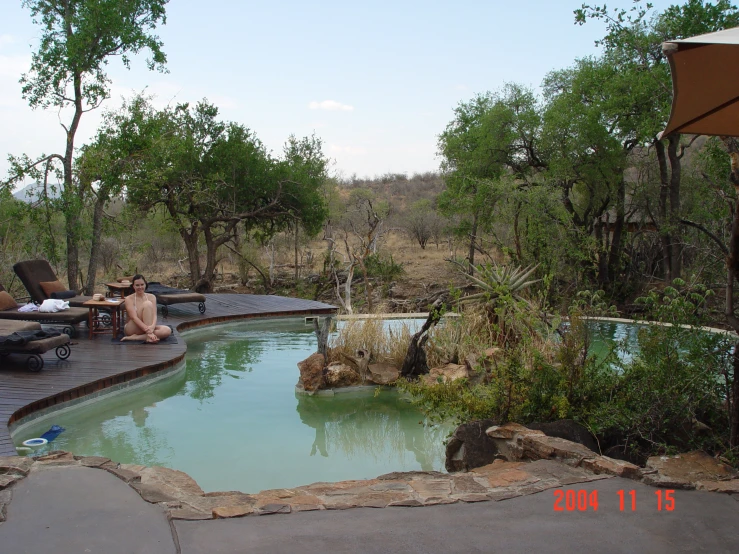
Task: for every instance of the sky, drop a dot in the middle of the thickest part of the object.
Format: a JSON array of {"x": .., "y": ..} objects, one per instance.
[{"x": 376, "y": 81}]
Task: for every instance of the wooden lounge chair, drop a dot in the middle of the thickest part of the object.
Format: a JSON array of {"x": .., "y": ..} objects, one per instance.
[
  {"x": 166, "y": 296},
  {"x": 33, "y": 348},
  {"x": 66, "y": 318},
  {"x": 40, "y": 281}
]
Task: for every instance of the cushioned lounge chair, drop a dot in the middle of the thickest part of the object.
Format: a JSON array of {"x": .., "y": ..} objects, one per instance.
[
  {"x": 166, "y": 296},
  {"x": 66, "y": 318},
  {"x": 33, "y": 348},
  {"x": 40, "y": 281}
]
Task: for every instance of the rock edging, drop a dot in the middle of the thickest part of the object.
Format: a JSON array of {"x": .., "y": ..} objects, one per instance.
[
  {"x": 182, "y": 498},
  {"x": 694, "y": 470},
  {"x": 536, "y": 462}
]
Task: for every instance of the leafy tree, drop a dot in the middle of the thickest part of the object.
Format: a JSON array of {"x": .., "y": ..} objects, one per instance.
[
  {"x": 211, "y": 176},
  {"x": 123, "y": 139},
  {"x": 633, "y": 46},
  {"x": 78, "y": 38}
]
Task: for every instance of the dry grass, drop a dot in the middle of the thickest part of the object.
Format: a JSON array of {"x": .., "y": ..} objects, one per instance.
[
  {"x": 370, "y": 334},
  {"x": 473, "y": 333}
]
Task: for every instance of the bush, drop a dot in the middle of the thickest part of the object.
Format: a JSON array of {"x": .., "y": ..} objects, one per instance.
[
  {"x": 671, "y": 396},
  {"x": 383, "y": 268}
]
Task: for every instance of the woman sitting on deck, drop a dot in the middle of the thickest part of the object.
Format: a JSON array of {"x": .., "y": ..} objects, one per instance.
[{"x": 142, "y": 315}]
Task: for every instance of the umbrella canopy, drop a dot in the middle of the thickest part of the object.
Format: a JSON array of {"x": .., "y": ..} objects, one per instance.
[{"x": 705, "y": 84}]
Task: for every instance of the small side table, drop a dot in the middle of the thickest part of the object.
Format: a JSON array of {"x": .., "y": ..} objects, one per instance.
[
  {"x": 119, "y": 289},
  {"x": 95, "y": 320}
]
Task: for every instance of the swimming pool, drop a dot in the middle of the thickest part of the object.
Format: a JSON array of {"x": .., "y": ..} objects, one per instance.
[{"x": 232, "y": 420}]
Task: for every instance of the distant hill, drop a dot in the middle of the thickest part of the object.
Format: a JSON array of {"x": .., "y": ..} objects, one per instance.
[{"x": 30, "y": 193}]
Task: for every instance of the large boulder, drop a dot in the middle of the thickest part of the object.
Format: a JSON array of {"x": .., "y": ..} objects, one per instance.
[
  {"x": 445, "y": 374},
  {"x": 480, "y": 366},
  {"x": 311, "y": 372},
  {"x": 383, "y": 374},
  {"x": 341, "y": 375},
  {"x": 567, "y": 429},
  {"x": 688, "y": 471},
  {"x": 470, "y": 447}
]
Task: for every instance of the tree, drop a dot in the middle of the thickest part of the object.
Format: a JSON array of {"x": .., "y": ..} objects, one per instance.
[
  {"x": 211, "y": 176},
  {"x": 125, "y": 137},
  {"x": 361, "y": 226},
  {"x": 633, "y": 46},
  {"x": 490, "y": 137},
  {"x": 420, "y": 222},
  {"x": 78, "y": 38},
  {"x": 586, "y": 140}
]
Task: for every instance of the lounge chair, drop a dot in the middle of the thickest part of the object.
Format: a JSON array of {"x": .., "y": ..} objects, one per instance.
[
  {"x": 32, "y": 348},
  {"x": 67, "y": 318},
  {"x": 166, "y": 296},
  {"x": 40, "y": 281}
]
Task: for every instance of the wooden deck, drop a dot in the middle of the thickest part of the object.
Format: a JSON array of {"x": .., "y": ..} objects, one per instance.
[{"x": 97, "y": 364}]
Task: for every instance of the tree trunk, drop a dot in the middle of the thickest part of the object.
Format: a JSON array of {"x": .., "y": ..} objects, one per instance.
[
  {"x": 73, "y": 197},
  {"x": 674, "y": 216},
  {"x": 664, "y": 234},
  {"x": 94, "y": 263},
  {"x": 348, "y": 290},
  {"x": 614, "y": 257},
  {"x": 322, "y": 333},
  {"x": 415, "y": 363},
  {"x": 205, "y": 283},
  {"x": 193, "y": 255},
  {"x": 367, "y": 285},
  {"x": 517, "y": 234},
  {"x": 602, "y": 259},
  {"x": 297, "y": 232},
  {"x": 473, "y": 238}
]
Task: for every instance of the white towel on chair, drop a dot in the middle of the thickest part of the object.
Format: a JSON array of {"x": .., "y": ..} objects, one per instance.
[
  {"x": 52, "y": 305},
  {"x": 30, "y": 307}
]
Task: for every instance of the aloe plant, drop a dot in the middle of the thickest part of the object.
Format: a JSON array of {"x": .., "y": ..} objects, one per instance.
[{"x": 493, "y": 279}]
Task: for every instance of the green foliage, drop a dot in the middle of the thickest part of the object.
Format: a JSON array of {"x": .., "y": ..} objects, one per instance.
[
  {"x": 211, "y": 176},
  {"x": 77, "y": 39},
  {"x": 495, "y": 280},
  {"x": 384, "y": 268},
  {"x": 670, "y": 395},
  {"x": 676, "y": 386},
  {"x": 678, "y": 304}
]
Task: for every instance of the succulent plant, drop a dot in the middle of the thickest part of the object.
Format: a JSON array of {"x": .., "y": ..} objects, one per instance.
[{"x": 495, "y": 279}]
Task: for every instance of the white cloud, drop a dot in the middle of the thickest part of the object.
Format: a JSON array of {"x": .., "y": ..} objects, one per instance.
[
  {"x": 460, "y": 87},
  {"x": 6, "y": 39},
  {"x": 331, "y": 106}
]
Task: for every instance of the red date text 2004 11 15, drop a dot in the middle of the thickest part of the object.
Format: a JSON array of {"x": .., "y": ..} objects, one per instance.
[{"x": 582, "y": 500}]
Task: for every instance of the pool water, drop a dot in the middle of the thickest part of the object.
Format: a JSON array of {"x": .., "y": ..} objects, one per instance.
[
  {"x": 607, "y": 336},
  {"x": 233, "y": 421}
]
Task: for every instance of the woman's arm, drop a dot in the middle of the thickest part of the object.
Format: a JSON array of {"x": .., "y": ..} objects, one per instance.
[{"x": 133, "y": 316}]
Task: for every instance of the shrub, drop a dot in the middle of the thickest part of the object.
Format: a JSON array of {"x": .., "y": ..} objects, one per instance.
[{"x": 670, "y": 396}]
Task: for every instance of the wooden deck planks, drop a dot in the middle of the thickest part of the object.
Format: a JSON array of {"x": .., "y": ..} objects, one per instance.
[{"x": 97, "y": 364}]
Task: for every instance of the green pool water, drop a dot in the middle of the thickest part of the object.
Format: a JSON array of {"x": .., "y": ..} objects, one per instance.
[
  {"x": 623, "y": 338},
  {"x": 233, "y": 421}
]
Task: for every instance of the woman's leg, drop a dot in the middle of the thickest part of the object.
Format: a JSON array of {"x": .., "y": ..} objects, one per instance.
[
  {"x": 149, "y": 313},
  {"x": 132, "y": 332},
  {"x": 149, "y": 317},
  {"x": 162, "y": 331}
]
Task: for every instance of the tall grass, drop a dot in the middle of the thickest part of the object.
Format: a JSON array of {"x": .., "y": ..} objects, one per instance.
[{"x": 385, "y": 346}]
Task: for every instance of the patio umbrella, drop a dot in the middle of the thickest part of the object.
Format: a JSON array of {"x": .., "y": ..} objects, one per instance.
[{"x": 705, "y": 84}]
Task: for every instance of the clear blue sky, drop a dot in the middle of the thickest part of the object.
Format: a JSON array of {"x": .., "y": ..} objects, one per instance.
[{"x": 377, "y": 81}]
